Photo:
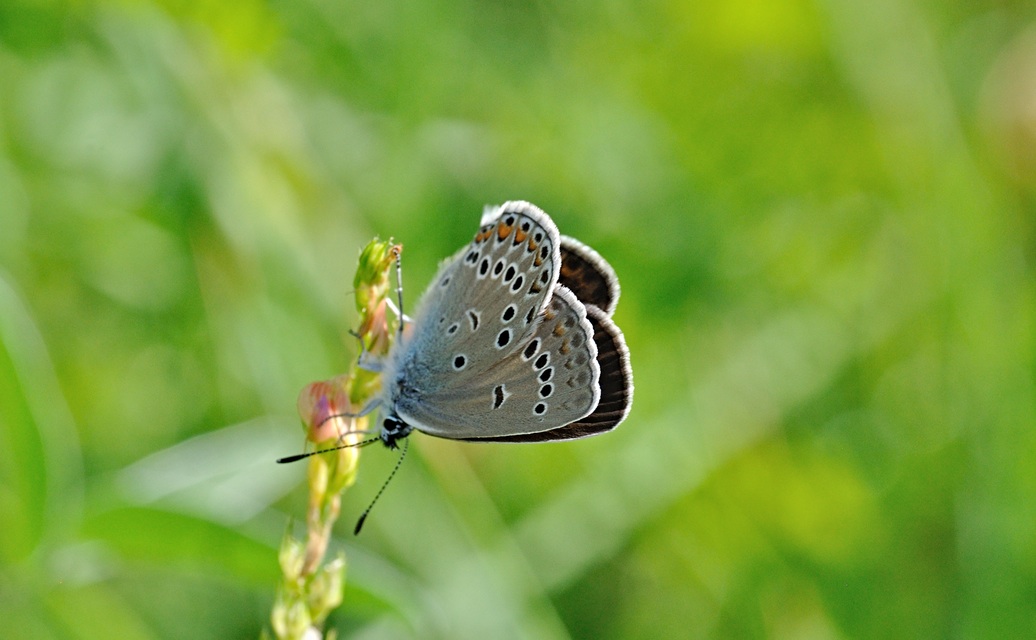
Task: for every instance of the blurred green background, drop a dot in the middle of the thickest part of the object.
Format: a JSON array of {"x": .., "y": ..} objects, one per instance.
[{"x": 821, "y": 214}]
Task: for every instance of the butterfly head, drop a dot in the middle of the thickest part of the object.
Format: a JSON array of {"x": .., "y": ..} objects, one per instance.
[{"x": 393, "y": 429}]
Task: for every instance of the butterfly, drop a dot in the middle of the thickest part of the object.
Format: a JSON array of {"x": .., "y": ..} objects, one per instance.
[{"x": 513, "y": 341}]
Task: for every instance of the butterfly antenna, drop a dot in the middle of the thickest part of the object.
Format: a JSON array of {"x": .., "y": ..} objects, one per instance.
[
  {"x": 300, "y": 456},
  {"x": 399, "y": 463}
]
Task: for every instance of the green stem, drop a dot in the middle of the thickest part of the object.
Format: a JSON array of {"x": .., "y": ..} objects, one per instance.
[{"x": 311, "y": 588}]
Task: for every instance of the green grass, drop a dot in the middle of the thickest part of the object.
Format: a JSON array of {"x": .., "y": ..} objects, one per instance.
[{"x": 821, "y": 215}]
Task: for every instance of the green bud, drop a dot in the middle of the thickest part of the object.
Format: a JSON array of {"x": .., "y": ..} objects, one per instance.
[{"x": 290, "y": 557}]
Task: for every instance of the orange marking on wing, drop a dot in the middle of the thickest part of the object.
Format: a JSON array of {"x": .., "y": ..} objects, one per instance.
[
  {"x": 559, "y": 330},
  {"x": 503, "y": 230},
  {"x": 520, "y": 236},
  {"x": 564, "y": 347}
]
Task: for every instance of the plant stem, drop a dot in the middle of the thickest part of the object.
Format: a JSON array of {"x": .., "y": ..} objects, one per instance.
[{"x": 310, "y": 588}]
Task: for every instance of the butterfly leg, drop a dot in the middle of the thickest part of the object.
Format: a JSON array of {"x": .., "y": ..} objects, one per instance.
[
  {"x": 402, "y": 316},
  {"x": 397, "y": 308},
  {"x": 403, "y": 319},
  {"x": 374, "y": 364},
  {"x": 366, "y": 361},
  {"x": 367, "y": 408}
]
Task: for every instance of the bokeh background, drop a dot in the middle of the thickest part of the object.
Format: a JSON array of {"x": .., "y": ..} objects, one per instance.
[{"x": 821, "y": 214}]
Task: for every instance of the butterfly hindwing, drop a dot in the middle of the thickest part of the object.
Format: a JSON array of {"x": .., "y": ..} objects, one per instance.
[
  {"x": 615, "y": 381},
  {"x": 550, "y": 381},
  {"x": 588, "y": 275}
]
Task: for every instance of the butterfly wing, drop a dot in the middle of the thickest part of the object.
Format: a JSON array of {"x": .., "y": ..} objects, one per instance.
[
  {"x": 588, "y": 275},
  {"x": 552, "y": 379},
  {"x": 595, "y": 284},
  {"x": 485, "y": 299},
  {"x": 483, "y": 324},
  {"x": 616, "y": 385}
]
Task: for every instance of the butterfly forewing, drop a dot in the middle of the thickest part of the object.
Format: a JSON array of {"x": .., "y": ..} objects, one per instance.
[
  {"x": 481, "y": 309},
  {"x": 482, "y": 304}
]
